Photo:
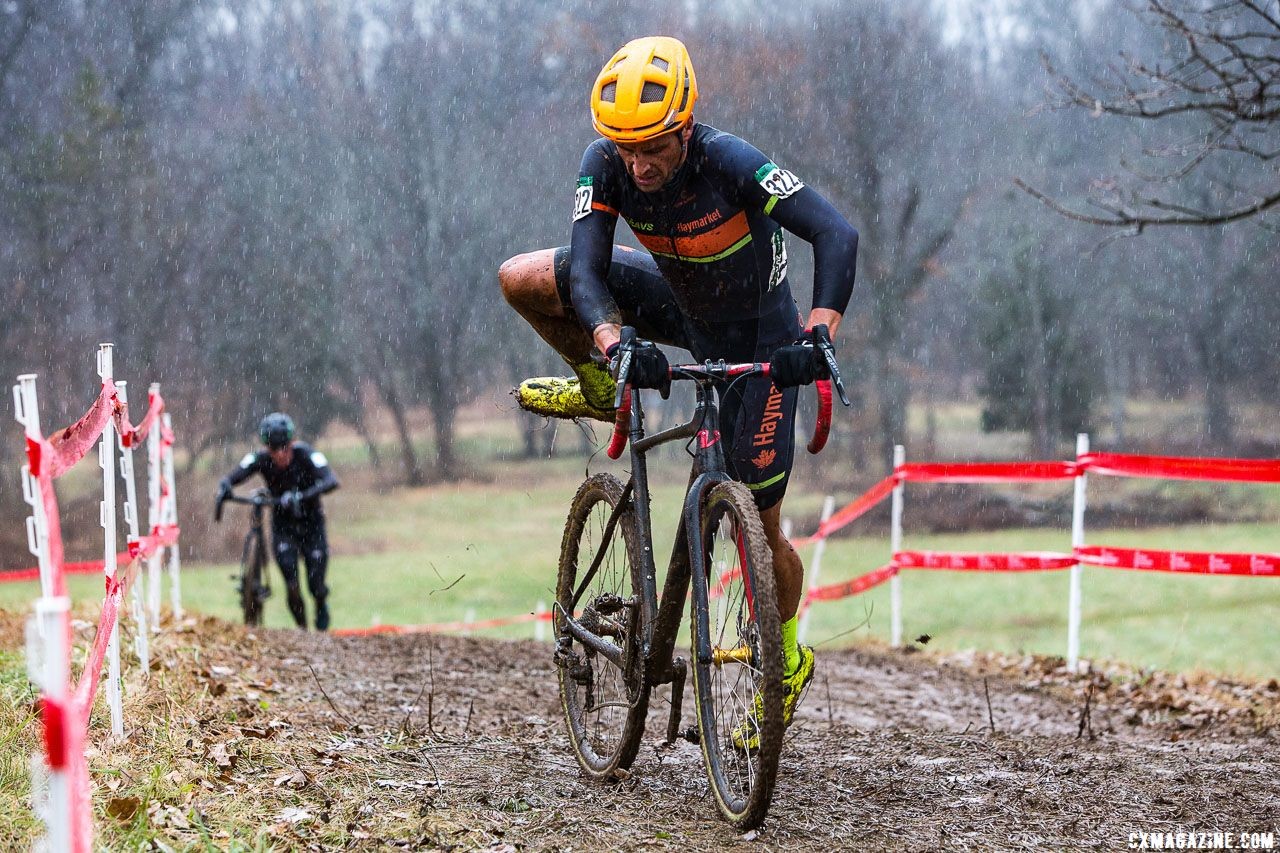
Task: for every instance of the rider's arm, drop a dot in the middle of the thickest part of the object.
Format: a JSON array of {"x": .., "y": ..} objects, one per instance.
[
  {"x": 325, "y": 480},
  {"x": 248, "y": 466},
  {"x": 595, "y": 215},
  {"x": 751, "y": 180}
]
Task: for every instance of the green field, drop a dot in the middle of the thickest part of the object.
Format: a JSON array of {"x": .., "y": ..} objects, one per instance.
[
  {"x": 488, "y": 547},
  {"x": 451, "y": 552}
]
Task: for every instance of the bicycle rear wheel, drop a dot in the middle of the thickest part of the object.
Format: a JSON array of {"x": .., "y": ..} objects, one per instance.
[
  {"x": 737, "y": 652},
  {"x": 604, "y": 702}
]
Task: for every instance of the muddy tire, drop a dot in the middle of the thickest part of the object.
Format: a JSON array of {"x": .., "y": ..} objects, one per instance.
[
  {"x": 251, "y": 597},
  {"x": 736, "y": 626},
  {"x": 604, "y": 704}
]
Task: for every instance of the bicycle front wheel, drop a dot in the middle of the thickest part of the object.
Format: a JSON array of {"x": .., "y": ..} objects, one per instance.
[
  {"x": 251, "y": 569},
  {"x": 737, "y": 651},
  {"x": 604, "y": 699}
]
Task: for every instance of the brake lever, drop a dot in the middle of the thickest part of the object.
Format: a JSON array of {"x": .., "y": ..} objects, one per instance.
[
  {"x": 833, "y": 367},
  {"x": 626, "y": 346},
  {"x": 624, "y": 368}
]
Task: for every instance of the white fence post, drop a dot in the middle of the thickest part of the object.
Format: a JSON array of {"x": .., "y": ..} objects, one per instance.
[
  {"x": 895, "y": 545},
  {"x": 540, "y": 626},
  {"x": 107, "y": 518},
  {"x": 153, "y": 516},
  {"x": 136, "y": 608},
  {"x": 1077, "y": 540},
  {"x": 815, "y": 568},
  {"x": 170, "y": 516},
  {"x": 48, "y": 633},
  {"x": 27, "y": 412}
]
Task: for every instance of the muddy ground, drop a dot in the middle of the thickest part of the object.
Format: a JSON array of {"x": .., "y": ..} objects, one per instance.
[{"x": 457, "y": 743}]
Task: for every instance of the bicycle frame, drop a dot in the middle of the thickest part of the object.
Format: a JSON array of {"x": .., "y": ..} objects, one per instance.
[{"x": 660, "y": 616}]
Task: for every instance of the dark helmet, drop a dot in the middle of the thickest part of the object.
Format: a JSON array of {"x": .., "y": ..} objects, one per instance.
[{"x": 276, "y": 430}]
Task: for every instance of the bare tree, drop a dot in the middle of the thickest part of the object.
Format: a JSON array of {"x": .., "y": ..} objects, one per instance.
[{"x": 1219, "y": 100}]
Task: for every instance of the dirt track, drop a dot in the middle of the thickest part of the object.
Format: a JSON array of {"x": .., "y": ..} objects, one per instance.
[{"x": 446, "y": 742}]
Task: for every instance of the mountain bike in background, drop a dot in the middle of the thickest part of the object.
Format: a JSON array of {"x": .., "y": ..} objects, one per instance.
[
  {"x": 615, "y": 637},
  {"x": 252, "y": 585}
]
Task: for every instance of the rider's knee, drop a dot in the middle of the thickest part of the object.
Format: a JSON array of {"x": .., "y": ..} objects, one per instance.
[{"x": 523, "y": 278}]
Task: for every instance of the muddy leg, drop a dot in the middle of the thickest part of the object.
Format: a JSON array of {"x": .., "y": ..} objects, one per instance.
[{"x": 529, "y": 285}]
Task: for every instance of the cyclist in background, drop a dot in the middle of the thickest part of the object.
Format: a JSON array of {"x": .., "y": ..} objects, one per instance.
[
  {"x": 296, "y": 475},
  {"x": 710, "y": 209}
]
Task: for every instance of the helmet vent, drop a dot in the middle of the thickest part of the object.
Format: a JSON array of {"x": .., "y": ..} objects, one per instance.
[
  {"x": 609, "y": 92},
  {"x": 653, "y": 93},
  {"x": 660, "y": 62}
]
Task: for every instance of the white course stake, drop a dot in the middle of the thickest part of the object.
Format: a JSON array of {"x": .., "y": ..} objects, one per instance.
[
  {"x": 170, "y": 516},
  {"x": 136, "y": 608},
  {"x": 153, "y": 517},
  {"x": 540, "y": 626},
  {"x": 28, "y": 414},
  {"x": 895, "y": 545},
  {"x": 107, "y": 518},
  {"x": 47, "y": 664},
  {"x": 1077, "y": 540},
  {"x": 815, "y": 568}
]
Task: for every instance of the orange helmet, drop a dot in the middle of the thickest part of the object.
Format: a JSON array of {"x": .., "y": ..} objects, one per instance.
[{"x": 646, "y": 89}]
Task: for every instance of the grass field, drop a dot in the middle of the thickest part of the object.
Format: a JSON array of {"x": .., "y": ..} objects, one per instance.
[
  {"x": 488, "y": 547},
  {"x": 452, "y": 552}
]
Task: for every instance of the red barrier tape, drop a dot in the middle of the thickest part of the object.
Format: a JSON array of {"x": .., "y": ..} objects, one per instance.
[
  {"x": 161, "y": 535},
  {"x": 1183, "y": 468},
  {"x": 117, "y": 589},
  {"x": 860, "y": 584},
  {"x": 985, "y": 472},
  {"x": 442, "y": 626},
  {"x": 849, "y": 513},
  {"x": 1188, "y": 562},
  {"x": 1028, "y": 561},
  {"x": 54, "y": 716},
  {"x": 87, "y": 568},
  {"x": 68, "y": 446},
  {"x": 130, "y": 435}
]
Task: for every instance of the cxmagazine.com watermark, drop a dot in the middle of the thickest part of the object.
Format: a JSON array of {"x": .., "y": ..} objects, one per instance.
[{"x": 1188, "y": 840}]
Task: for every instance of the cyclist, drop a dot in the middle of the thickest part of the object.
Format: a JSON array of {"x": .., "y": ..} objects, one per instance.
[
  {"x": 296, "y": 475},
  {"x": 710, "y": 209}
]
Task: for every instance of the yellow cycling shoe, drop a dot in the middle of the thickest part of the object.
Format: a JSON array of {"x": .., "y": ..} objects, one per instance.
[
  {"x": 746, "y": 735},
  {"x": 589, "y": 395}
]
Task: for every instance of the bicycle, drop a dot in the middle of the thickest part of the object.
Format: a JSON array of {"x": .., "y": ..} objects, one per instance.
[
  {"x": 615, "y": 638},
  {"x": 252, "y": 584}
]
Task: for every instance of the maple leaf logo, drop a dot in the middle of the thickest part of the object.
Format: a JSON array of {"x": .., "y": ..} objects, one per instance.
[{"x": 765, "y": 459}]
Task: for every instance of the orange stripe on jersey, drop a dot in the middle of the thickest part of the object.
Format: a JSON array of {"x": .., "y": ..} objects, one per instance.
[
  {"x": 595, "y": 205},
  {"x": 717, "y": 242}
]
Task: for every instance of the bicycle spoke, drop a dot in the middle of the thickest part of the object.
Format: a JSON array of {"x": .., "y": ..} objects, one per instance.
[{"x": 604, "y": 702}]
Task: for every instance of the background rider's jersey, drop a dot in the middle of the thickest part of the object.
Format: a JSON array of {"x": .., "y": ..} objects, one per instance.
[
  {"x": 714, "y": 231},
  {"x": 307, "y": 472}
]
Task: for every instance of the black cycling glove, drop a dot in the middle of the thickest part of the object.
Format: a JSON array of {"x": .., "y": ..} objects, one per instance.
[
  {"x": 649, "y": 367},
  {"x": 800, "y": 363}
]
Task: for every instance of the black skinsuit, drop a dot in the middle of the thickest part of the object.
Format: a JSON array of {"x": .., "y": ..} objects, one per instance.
[
  {"x": 714, "y": 280},
  {"x": 302, "y": 532}
]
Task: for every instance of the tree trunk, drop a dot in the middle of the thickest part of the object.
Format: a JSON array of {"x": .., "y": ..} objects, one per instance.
[
  {"x": 1042, "y": 431},
  {"x": 409, "y": 458}
]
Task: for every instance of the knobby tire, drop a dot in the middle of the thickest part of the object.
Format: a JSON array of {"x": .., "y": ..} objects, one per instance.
[
  {"x": 737, "y": 613},
  {"x": 606, "y": 715}
]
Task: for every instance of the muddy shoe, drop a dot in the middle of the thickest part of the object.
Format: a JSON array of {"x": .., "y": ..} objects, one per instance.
[
  {"x": 746, "y": 735},
  {"x": 589, "y": 395}
]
